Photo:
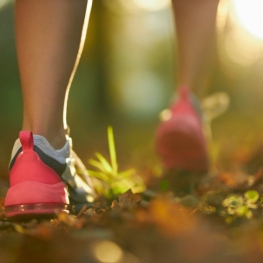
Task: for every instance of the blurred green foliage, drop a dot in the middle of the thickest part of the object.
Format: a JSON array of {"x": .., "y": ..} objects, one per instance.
[{"x": 126, "y": 76}]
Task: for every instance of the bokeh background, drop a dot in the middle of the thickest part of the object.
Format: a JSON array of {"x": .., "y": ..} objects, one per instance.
[{"x": 127, "y": 76}]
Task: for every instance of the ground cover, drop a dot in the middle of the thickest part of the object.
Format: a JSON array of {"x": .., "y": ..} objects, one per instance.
[
  {"x": 182, "y": 217},
  {"x": 214, "y": 217}
]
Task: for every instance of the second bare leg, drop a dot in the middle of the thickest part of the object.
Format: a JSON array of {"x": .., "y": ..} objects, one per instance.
[{"x": 195, "y": 24}]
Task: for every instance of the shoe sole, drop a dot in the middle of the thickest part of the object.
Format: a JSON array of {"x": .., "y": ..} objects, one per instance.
[
  {"x": 29, "y": 211},
  {"x": 33, "y": 199}
]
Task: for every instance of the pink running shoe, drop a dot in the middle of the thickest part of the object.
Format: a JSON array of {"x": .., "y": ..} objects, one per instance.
[
  {"x": 35, "y": 188},
  {"x": 180, "y": 140},
  {"x": 44, "y": 181}
]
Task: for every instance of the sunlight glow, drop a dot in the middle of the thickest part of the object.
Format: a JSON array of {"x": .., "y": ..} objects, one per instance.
[
  {"x": 241, "y": 49},
  {"x": 249, "y": 15},
  {"x": 222, "y": 12},
  {"x": 152, "y": 5},
  {"x": 4, "y": 2}
]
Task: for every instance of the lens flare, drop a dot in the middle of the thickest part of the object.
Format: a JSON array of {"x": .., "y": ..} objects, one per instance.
[{"x": 108, "y": 252}]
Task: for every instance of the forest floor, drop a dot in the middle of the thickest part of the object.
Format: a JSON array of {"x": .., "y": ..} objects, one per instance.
[{"x": 180, "y": 217}]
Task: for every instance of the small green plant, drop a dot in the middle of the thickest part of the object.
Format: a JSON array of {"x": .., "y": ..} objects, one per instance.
[
  {"x": 240, "y": 206},
  {"x": 110, "y": 181}
]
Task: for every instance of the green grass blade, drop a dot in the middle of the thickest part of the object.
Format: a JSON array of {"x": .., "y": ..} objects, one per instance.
[
  {"x": 98, "y": 175},
  {"x": 105, "y": 163},
  {"x": 97, "y": 164},
  {"x": 112, "y": 150},
  {"x": 126, "y": 174}
]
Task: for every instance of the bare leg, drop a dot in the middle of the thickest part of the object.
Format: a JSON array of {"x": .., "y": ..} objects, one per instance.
[
  {"x": 195, "y": 24},
  {"x": 50, "y": 36}
]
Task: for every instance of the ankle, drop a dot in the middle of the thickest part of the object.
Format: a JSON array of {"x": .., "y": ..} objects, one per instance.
[
  {"x": 56, "y": 139},
  {"x": 57, "y": 142}
]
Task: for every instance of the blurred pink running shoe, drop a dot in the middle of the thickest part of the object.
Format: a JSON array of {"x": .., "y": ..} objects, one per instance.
[{"x": 180, "y": 140}]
